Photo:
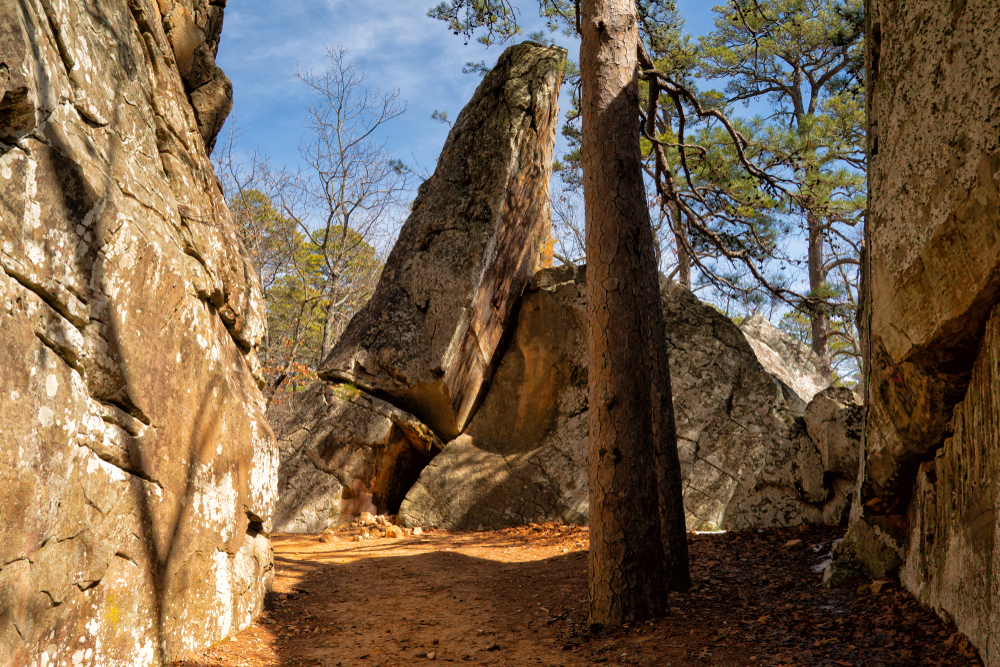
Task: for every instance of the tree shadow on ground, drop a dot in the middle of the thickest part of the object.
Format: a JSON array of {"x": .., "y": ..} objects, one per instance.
[{"x": 515, "y": 597}]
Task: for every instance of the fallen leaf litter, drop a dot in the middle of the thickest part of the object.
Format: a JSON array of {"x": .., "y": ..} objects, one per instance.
[{"x": 519, "y": 597}]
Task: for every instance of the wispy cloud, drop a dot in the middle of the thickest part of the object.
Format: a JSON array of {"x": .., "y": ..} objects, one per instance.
[{"x": 393, "y": 42}]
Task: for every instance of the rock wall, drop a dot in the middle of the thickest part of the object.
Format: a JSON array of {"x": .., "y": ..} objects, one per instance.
[
  {"x": 746, "y": 456},
  {"x": 478, "y": 230},
  {"x": 137, "y": 464},
  {"x": 926, "y": 498}
]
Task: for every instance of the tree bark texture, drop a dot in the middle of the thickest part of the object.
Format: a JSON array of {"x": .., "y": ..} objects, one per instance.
[
  {"x": 627, "y": 457},
  {"x": 819, "y": 314}
]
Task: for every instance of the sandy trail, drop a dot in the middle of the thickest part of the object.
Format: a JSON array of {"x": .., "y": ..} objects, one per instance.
[{"x": 519, "y": 598}]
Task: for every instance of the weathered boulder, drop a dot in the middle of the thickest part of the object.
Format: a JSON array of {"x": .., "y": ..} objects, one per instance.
[
  {"x": 834, "y": 420},
  {"x": 927, "y": 494},
  {"x": 193, "y": 28},
  {"x": 478, "y": 230},
  {"x": 344, "y": 452},
  {"x": 745, "y": 457},
  {"x": 791, "y": 362},
  {"x": 523, "y": 456},
  {"x": 137, "y": 464}
]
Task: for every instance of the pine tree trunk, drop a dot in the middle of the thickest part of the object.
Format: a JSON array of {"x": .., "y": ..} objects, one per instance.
[
  {"x": 628, "y": 568},
  {"x": 683, "y": 258},
  {"x": 819, "y": 315}
]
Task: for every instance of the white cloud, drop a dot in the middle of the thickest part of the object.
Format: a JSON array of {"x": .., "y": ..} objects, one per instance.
[{"x": 395, "y": 43}]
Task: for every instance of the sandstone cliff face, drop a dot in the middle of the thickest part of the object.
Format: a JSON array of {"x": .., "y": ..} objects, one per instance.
[
  {"x": 746, "y": 457},
  {"x": 927, "y": 497},
  {"x": 137, "y": 465},
  {"x": 478, "y": 230}
]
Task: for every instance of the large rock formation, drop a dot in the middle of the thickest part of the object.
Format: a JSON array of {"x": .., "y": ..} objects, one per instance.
[
  {"x": 745, "y": 454},
  {"x": 927, "y": 490},
  {"x": 478, "y": 230},
  {"x": 137, "y": 465},
  {"x": 425, "y": 342},
  {"x": 524, "y": 455}
]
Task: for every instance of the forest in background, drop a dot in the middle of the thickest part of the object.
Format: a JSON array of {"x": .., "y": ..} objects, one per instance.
[{"x": 754, "y": 158}]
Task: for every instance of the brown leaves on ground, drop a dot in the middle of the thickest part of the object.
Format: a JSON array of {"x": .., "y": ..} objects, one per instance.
[{"x": 519, "y": 597}]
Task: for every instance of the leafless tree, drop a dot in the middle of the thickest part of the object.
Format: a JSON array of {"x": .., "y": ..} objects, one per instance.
[{"x": 348, "y": 198}]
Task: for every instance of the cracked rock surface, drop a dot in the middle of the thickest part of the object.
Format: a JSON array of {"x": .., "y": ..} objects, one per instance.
[
  {"x": 791, "y": 362},
  {"x": 746, "y": 457},
  {"x": 927, "y": 497},
  {"x": 479, "y": 228},
  {"x": 524, "y": 456},
  {"x": 345, "y": 452},
  {"x": 137, "y": 464}
]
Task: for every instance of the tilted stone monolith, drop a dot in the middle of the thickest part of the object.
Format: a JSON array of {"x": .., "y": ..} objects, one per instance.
[
  {"x": 136, "y": 465},
  {"x": 478, "y": 230}
]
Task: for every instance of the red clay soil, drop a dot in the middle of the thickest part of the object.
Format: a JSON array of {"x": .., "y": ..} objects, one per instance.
[{"x": 519, "y": 597}]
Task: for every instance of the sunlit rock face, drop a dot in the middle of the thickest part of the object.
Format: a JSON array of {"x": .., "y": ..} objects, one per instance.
[
  {"x": 478, "y": 231},
  {"x": 137, "y": 467},
  {"x": 523, "y": 457},
  {"x": 927, "y": 488},
  {"x": 789, "y": 361},
  {"x": 747, "y": 457}
]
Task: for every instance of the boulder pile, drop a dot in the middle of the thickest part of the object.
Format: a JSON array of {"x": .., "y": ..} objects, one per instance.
[{"x": 468, "y": 334}]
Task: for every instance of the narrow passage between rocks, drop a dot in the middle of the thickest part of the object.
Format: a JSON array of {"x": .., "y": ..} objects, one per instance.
[{"x": 519, "y": 597}]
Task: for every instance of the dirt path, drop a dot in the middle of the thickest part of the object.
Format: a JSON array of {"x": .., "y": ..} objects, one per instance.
[{"x": 519, "y": 597}]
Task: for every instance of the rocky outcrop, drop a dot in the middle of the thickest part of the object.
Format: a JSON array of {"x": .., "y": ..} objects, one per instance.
[
  {"x": 834, "y": 420},
  {"x": 137, "y": 464},
  {"x": 926, "y": 500},
  {"x": 745, "y": 455},
  {"x": 344, "y": 452},
  {"x": 952, "y": 558},
  {"x": 193, "y": 28},
  {"x": 479, "y": 229},
  {"x": 791, "y": 362},
  {"x": 524, "y": 455}
]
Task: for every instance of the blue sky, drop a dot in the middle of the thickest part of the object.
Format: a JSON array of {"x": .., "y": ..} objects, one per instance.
[{"x": 393, "y": 41}]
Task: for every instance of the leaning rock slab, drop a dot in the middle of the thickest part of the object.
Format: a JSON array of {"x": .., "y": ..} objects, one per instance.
[
  {"x": 746, "y": 460},
  {"x": 524, "y": 456},
  {"x": 137, "y": 465},
  {"x": 791, "y": 362},
  {"x": 478, "y": 230},
  {"x": 345, "y": 452}
]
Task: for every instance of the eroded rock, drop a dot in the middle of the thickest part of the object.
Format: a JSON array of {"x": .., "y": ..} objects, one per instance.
[
  {"x": 745, "y": 456},
  {"x": 834, "y": 420},
  {"x": 926, "y": 500},
  {"x": 791, "y": 362},
  {"x": 478, "y": 230},
  {"x": 344, "y": 454},
  {"x": 137, "y": 464},
  {"x": 523, "y": 457}
]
